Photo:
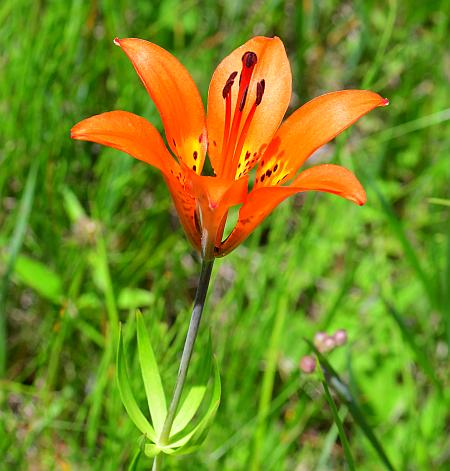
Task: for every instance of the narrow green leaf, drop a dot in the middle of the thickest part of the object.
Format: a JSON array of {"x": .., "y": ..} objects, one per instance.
[
  {"x": 195, "y": 395},
  {"x": 150, "y": 374},
  {"x": 198, "y": 434},
  {"x": 15, "y": 245},
  {"x": 73, "y": 207},
  {"x": 132, "y": 298},
  {"x": 419, "y": 352},
  {"x": 337, "y": 420},
  {"x": 440, "y": 201},
  {"x": 135, "y": 461},
  {"x": 127, "y": 397},
  {"x": 446, "y": 286},
  {"x": 345, "y": 394},
  {"x": 408, "y": 249},
  {"x": 188, "y": 408}
]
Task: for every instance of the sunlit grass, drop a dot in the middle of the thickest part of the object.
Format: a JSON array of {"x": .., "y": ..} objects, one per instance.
[{"x": 70, "y": 266}]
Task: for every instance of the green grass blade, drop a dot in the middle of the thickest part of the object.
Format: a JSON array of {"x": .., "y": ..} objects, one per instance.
[
  {"x": 337, "y": 420},
  {"x": 126, "y": 394},
  {"x": 73, "y": 207},
  {"x": 150, "y": 374},
  {"x": 344, "y": 392},
  {"x": 134, "y": 465},
  {"x": 439, "y": 201},
  {"x": 15, "y": 245},
  {"x": 446, "y": 287},
  {"x": 419, "y": 352},
  {"x": 399, "y": 231}
]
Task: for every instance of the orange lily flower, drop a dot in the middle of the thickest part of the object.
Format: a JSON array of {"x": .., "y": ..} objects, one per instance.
[{"x": 248, "y": 96}]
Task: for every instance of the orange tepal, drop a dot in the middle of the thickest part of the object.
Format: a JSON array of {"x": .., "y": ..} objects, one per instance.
[{"x": 248, "y": 96}]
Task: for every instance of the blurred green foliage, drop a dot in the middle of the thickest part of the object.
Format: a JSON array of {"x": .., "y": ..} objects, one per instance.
[{"x": 87, "y": 235}]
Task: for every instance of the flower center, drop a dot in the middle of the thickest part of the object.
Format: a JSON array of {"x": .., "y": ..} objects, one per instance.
[{"x": 234, "y": 134}]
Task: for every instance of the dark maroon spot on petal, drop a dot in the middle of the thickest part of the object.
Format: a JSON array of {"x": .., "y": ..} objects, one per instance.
[
  {"x": 247, "y": 155},
  {"x": 215, "y": 143},
  {"x": 194, "y": 168},
  {"x": 200, "y": 138},
  {"x": 249, "y": 59},
  {"x": 244, "y": 98},
  {"x": 260, "y": 86},
  {"x": 262, "y": 177},
  {"x": 195, "y": 155},
  {"x": 239, "y": 165},
  {"x": 275, "y": 168},
  {"x": 254, "y": 154},
  {"x": 174, "y": 143},
  {"x": 268, "y": 173}
]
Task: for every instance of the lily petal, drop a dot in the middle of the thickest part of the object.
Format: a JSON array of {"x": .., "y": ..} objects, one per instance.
[
  {"x": 262, "y": 201},
  {"x": 273, "y": 67},
  {"x": 126, "y": 132},
  {"x": 185, "y": 205},
  {"x": 310, "y": 127},
  {"x": 175, "y": 95},
  {"x": 215, "y": 196}
]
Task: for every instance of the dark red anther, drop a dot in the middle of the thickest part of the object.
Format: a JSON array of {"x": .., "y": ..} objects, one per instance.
[
  {"x": 229, "y": 83},
  {"x": 260, "y": 86},
  {"x": 244, "y": 97},
  {"x": 249, "y": 59}
]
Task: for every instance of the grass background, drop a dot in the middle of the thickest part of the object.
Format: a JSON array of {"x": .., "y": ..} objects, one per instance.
[{"x": 88, "y": 234}]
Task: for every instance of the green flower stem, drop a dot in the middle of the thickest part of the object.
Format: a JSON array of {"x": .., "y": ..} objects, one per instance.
[
  {"x": 196, "y": 316},
  {"x": 157, "y": 462}
]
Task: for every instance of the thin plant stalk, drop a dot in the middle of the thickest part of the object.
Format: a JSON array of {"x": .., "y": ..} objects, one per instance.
[
  {"x": 194, "y": 323},
  {"x": 157, "y": 462}
]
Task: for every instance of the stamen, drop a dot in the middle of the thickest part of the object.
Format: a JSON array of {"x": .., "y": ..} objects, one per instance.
[
  {"x": 232, "y": 136},
  {"x": 244, "y": 97},
  {"x": 260, "y": 91},
  {"x": 249, "y": 59},
  {"x": 260, "y": 86},
  {"x": 226, "y": 93},
  {"x": 229, "y": 83}
]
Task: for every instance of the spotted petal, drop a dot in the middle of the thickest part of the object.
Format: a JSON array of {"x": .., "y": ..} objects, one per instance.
[
  {"x": 272, "y": 66},
  {"x": 185, "y": 205},
  {"x": 310, "y": 127},
  {"x": 262, "y": 201},
  {"x": 175, "y": 95}
]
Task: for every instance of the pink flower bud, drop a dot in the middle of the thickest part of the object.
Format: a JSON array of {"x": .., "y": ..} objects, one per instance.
[
  {"x": 328, "y": 344},
  {"x": 340, "y": 337},
  {"x": 319, "y": 339},
  {"x": 308, "y": 364}
]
